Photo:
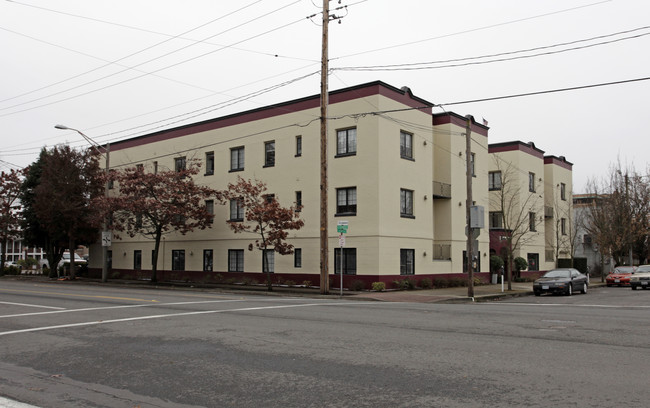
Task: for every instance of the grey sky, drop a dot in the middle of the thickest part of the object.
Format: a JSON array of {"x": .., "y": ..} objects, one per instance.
[{"x": 123, "y": 68}]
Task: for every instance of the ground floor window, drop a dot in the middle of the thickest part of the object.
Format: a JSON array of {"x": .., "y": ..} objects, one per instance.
[
  {"x": 207, "y": 260},
  {"x": 297, "y": 258},
  {"x": 533, "y": 262},
  {"x": 235, "y": 260},
  {"x": 269, "y": 261},
  {"x": 349, "y": 261},
  {"x": 476, "y": 265},
  {"x": 178, "y": 260},
  {"x": 137, "y": 260},
  {"x": 407, "y": 261}
]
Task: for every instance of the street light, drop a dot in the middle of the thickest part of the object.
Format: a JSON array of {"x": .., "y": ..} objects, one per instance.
[{"x": 106, "y": 235}]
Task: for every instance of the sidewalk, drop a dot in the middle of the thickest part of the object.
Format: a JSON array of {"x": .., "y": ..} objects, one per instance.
[{"x": 450, "y": 295}]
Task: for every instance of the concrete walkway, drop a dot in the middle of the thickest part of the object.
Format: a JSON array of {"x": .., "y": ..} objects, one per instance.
[{"x": 449, "y": 295}]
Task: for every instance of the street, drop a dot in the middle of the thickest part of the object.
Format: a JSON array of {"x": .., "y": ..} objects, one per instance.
[{"x": 77, "y": 345}]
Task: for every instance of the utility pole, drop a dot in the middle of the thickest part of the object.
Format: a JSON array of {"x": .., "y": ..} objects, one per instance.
[
  {"x": 468, "y": 206},
  {"x": 105, "y": 231},
  {"x": 324, "y": 270}
]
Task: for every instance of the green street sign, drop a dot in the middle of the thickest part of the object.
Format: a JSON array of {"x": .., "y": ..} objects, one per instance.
[{"x": 342, "y": 229}]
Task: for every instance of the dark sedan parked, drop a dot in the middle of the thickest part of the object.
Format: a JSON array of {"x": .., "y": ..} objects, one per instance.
[{"x": 562, "y": 281}]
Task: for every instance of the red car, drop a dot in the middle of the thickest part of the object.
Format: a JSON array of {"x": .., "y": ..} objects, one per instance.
[{"x": 620, "y": 276}]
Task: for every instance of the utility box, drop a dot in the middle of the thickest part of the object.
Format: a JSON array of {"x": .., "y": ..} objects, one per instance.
[{"x": 477, "y": 216}]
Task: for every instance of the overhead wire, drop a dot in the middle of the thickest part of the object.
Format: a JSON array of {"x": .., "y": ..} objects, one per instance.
[
  {"x": 460, "y": 63},
  {"x": 150, "y": 60}
]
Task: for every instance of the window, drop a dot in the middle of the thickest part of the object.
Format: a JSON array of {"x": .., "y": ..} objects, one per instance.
[
  {"x": 533, "y": 262},
  {"x": 349, "y": 261},
  {"x": 346, "y": 201},
  {"x": 532, "y": 223},
  {"x": 235, "y": 260},
  {"x": 298, "y": 201},
  {"x": 236, "y": 211},
  {"x": 496, "y": 220},
  {"x": 139, "y": 167},
  {"x": 563, "y": 226},
  {"x": 407, "y": 261},
  {"x": 346, "y": 142},
  {"x": 406, "y": 203},
  {"x": 494, "y": 180},
  {"x": 269, "y": 154},
  {"x": 531, "y": 182},
  {"x": 209, "y": 207},
  {"x": 563, "y": 191},
  {"x": 269, "y": 261},
  {"x": 111, "y": 179},
  {"x": 207, "y": 260},
  {"x": 406, "y": 145},
  {"x": 269, "y": 198},
  {"x": 178, "y": 260},
  {"x": 155, "y": 167},
  {"x": 179, "y": 164},
  {"x": 297, "y": 257},
  {"x": 209, "y": 163},
  {"x": 298, "y": 146},
  {"x": 137, "y": 260},
  {"x": 237, "y": 159}
]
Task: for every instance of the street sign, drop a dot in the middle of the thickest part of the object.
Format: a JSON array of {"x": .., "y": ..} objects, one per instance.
[
  {"x": 341, "y": 240},
  {"x": 106, "y": 238},
  {"x": 342, "y": 227}
]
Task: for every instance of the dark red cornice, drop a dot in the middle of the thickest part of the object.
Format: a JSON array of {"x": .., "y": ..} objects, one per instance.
[
  {"x": 516, "y": 145},
  {"x": 558, "y": 161},
  {"x": 404, "y": 96},
  {"x": 455, "y": 119}
]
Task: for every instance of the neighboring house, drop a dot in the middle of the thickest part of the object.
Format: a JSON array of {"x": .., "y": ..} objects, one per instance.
[
  {"x": 537, "y": 207},
  {"x": 396, "y": 173},
  {"x": 585, "y": 246},
  {"x": 16, "y": 250}
]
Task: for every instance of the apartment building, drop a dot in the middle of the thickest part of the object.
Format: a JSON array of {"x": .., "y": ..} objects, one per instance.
[
  {"x": 530, "y": 204},
  {"x": 396, "y": 174}
]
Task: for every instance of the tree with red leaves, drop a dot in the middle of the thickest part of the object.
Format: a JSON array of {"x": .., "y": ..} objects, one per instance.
[
  {"x": 156, "y": 204},
  {"x": 263, "y": 216},
  {"x": 10, "y": 183}
]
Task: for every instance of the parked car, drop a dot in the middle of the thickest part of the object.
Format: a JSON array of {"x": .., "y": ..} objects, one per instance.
[
  {"x": 563, "y": 281},
  {"x": 620, "y": 276},
  {"x": 65, "y": 260},
  {"x": 641, "y": 277}
]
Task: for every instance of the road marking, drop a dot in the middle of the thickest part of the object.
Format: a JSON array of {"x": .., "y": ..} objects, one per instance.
[
  {"x": 25, "y": 304},
  {"x": 130, "y": 319},
  {"x": 7, "y": 403},
  {"x": 87, "y": 309},
  {"x": 76, "y": 295},
  {"x": 573, "y": 305}
]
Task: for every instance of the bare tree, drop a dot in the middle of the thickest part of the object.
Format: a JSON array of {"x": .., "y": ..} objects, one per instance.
[{"x": 519, "y": 209}]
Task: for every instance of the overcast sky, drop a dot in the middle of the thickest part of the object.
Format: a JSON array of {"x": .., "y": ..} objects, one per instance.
[{"x": 118, "y": 69}]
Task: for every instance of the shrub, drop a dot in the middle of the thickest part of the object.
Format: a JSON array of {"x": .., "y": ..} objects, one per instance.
[
  {"x": 441, "y": 283},
  {"x": 357, "y": 285},
  {"x": 306, "y": 283},
  {"x": 476, "y": 281},
  {"x": 520, "y": 263},
  {"x": 289, "y": 282},
  {"x": 378, "y": 286},
  {"x": 425, "y": 283},
  {"x": 457, "y": 282},
  {"x": 496, "y": 263}
]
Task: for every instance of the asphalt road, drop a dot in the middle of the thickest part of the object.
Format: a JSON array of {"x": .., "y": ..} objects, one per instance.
[{"x": 72, "y": 345}]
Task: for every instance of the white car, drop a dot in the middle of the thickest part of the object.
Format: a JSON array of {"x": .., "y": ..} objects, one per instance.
[
  {"x": 65, "y": 260},
  {"x": 640, "y": 278}
]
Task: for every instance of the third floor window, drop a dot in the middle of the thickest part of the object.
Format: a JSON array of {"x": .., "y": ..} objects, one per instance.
[
  {"x": 406, "y": 145},
  {"x": 237, "y": 158},
  {"x": 346, "y": 142}
]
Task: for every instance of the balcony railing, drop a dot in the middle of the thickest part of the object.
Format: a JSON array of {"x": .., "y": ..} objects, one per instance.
[
  {"x": 548, "y": 212},
  {"x": 441, "y": 190},
  {"x": 442, "y": 252}
]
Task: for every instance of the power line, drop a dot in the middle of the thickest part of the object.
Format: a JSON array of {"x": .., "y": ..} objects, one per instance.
[
  {"x": 575, "y": 88},
  {"x": 150, "y": 60},
  {"x": 473, "y": 30},
  {"x": 425, "y": 65}
]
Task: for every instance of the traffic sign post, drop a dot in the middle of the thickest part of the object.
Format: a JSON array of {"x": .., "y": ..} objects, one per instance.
[{"x": 342, "y": 229}]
